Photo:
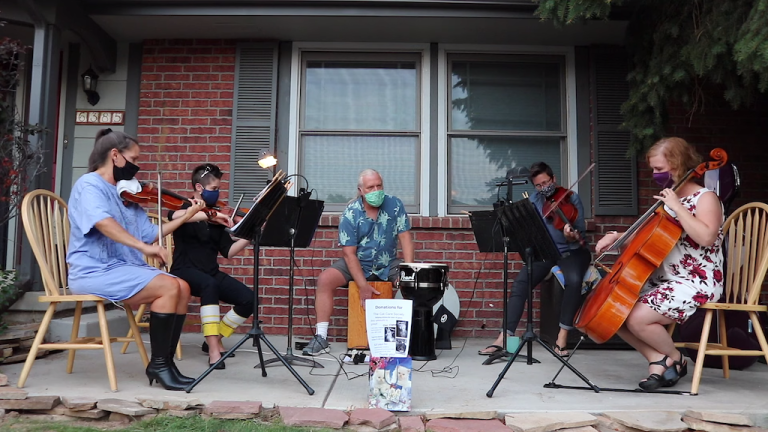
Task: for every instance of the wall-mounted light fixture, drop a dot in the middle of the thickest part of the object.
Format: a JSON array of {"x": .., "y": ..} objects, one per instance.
[{"x": 90, "y": 80}]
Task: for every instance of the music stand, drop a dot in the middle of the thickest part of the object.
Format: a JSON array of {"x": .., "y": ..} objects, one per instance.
[
  {"x": 250, "y": 228},
  {"x": 490, "y": 237},
  {"x": 293, "y": 224},
  {"x": 527, "y": 233}
]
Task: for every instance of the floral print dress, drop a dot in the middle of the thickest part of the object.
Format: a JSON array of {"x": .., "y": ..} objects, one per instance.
[{"x": 690, "y": 275}]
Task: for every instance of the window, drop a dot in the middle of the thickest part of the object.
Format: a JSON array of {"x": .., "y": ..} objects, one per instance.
[
  {"x": 358, "y": 111},
  {"x": 505, "y": 111}
]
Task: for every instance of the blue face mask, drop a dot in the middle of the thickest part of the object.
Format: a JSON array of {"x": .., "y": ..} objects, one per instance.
[{"x": 210, "y": 197}]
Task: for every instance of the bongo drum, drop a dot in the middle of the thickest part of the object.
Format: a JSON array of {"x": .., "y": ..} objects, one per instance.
[{"x": 425, "y": 285}]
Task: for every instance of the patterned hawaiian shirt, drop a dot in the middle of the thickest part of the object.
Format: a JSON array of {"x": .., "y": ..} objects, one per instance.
[{"x": 376, "y": 240}]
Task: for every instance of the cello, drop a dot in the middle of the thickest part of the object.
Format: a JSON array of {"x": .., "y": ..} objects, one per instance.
[{"x": 653, "y": 237}]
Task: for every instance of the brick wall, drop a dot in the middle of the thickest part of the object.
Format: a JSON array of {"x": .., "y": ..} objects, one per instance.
[{"x": 185, "y": 120}]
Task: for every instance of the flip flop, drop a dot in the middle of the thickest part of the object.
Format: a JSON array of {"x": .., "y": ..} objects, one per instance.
[
  {"x": 487, "y": 353},
  {"x": 562, "y": 352}
]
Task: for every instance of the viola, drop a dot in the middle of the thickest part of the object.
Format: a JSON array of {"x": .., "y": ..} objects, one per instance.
[{"x": 653, "y": 237}]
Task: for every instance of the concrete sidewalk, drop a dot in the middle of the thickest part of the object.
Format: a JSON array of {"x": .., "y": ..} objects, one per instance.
[{"x": 455, "y": 382}]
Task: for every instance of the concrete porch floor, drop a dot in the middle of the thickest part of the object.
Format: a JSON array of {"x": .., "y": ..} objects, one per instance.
[{"x": 520, "y": 391}]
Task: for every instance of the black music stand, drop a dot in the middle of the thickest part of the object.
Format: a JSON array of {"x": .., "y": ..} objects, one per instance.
[
  {"x": 527, "y": 233},
  {"x": 250, "y": 228},
  {"x": 293, "y": 224},
  {"x": 490, "y": 237}
]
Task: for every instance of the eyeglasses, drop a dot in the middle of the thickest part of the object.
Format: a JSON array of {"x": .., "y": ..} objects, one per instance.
[{"x": 544, "y": 184}]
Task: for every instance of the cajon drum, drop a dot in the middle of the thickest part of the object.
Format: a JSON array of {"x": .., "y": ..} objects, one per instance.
[{"x": 357, "y": 336}]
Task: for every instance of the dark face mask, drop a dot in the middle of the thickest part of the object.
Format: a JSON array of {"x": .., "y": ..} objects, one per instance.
[
  {"x": 125, "y": 172},
  {"x": 210, "y": 197},
  {"x": 549, "y": 189},
  {"x": 664, "y": 179}
]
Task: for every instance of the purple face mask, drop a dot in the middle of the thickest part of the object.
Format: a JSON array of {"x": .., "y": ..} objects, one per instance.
[{"x": 664, "y": 179}]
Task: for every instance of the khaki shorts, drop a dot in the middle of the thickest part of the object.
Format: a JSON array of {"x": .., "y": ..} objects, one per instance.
[{"x": 341, "y": 266}]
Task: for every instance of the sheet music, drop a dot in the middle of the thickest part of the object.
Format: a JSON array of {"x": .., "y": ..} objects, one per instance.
[{"x": 235, "y": 226}]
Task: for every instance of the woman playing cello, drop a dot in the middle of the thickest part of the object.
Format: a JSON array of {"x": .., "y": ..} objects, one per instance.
[
  {"x": 107, "y": 244},
  {"x": 690, "y": 275}
]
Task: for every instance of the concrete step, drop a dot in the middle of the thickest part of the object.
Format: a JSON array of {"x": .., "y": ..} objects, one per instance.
[{"x": 61, "y": 328}]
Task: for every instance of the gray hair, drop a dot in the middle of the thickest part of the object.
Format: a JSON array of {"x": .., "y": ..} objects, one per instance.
[
  {"x": 366, "y": 173},
  {"x": 363, "y": 174}
]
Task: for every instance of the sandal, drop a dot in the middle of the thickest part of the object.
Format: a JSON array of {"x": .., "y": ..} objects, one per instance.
[
  {"x": 672, "y": 375},
  {"x": 496, "y": 349},
  {"x": 561, "y": 351},
  {"x": 654, "y": 380}
]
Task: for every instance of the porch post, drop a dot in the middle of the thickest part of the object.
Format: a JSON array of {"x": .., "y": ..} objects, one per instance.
[{"x": 43, "y": 110}]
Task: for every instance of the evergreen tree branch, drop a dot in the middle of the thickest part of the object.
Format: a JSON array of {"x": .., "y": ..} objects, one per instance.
[{"x": 676, "y": 49}]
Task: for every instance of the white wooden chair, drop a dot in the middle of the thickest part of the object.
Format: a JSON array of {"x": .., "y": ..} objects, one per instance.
[
  {"x": 746, "y": 242},
  {"x": 168, "y": 243},
  {"x": 44, "y": 215}
]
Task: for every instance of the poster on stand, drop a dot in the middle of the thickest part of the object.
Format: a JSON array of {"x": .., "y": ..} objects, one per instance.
[{"x": 388, "y": 323}]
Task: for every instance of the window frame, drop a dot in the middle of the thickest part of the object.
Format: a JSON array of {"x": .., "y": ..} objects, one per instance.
[
  {"x": 568, "y": 133},
  {"x": 307, "y": 51}
]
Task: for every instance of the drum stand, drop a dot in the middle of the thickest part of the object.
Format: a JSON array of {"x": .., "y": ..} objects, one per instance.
[
  {"x": 529, "y": 337},
  {"x": 504, "y": 353}
]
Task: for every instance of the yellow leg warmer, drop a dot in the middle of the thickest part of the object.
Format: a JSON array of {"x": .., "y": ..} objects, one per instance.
[
  {"x": 230, "y": 322},
  {"x": 209, "y": 316}
]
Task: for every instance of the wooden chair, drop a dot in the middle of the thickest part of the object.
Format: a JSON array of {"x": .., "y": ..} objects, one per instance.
[
  {"x": 168, "y": 243},
  {"x": 44, "y": 215},
  {"x": 746, "y": 242}
]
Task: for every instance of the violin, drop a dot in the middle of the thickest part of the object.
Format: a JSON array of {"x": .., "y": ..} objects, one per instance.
[
  {"x": 169, "y": 199},
  {"x": 234, "y": 214},
  {"x": 559, "y": 209}
]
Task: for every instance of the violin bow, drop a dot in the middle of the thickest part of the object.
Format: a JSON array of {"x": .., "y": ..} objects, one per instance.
[
  {"x": 160, "y": 213},
  {"x": 557, "y": 203}
]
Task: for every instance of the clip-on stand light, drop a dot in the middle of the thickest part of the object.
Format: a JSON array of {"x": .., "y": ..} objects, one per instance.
[{"x": 250, "y": 228}]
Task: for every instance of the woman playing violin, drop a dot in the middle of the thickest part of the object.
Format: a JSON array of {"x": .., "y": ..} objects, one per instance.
[
  {"x": 107, "y": 244},
  {"x": 690, "y": 275},
  {"x": 195, "y": 259},
  {"x": 574, "y": 260}
]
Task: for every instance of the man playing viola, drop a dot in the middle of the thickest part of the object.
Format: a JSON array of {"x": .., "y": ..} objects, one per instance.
[
  {"x": 574, "y": 262},
  {"x": 198, "y": 244}
]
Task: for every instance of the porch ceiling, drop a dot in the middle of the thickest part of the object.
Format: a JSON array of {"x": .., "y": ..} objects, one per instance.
[{"x": 515, "y": 31}]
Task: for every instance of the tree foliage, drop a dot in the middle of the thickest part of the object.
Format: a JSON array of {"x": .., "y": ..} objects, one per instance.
[
  {"x": 20, "y": 160},
  {"x": 676, "y": 49}
]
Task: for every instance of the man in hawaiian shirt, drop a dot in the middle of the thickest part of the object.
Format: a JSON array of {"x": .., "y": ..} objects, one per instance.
[{"x": 369, "y": 231}]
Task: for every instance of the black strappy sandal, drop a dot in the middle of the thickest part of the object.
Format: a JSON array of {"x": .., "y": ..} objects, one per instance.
[
  {"x": 654, "y": 381},
  {"x": 672, "y": 375}
]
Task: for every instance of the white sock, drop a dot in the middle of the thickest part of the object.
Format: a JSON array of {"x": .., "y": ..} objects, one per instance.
[{"x": 322, "y": 329}]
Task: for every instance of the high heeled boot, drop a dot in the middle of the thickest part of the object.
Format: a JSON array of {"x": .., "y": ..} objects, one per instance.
[
  {"x": 160, "y": 335},
  {"x": 178, "y": 325}
]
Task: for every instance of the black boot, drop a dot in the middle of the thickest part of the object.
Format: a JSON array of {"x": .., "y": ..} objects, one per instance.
[
  {"x": 178, "y": 325},
  {"x": 160, "y": 335}
]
